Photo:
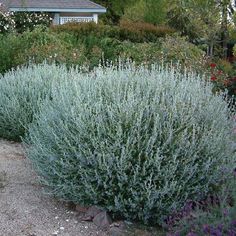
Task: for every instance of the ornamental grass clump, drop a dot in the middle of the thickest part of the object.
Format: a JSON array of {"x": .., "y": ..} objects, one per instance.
[
  {"x": 137, "y": 141},
  {"x": 22, "y": 92}
]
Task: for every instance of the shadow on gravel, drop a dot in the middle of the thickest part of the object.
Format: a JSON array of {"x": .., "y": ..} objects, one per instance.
[{"x": 2, "y": 179}]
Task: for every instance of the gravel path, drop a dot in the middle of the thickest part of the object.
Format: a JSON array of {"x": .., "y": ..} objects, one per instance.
[{"x": 25, "y": 210}]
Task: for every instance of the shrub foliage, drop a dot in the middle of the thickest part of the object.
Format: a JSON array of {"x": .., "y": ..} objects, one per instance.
[
  {"x": 126, "y": 30},
  {"x": 91, "y": 45},
  {"x": 21, "y": 94},
  {"x": 138, "y": 142},
  {"x": 22, "y": 21}
]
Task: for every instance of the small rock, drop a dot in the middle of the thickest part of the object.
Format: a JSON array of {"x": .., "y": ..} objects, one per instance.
[
  {"x": 118, "y": 229},
  {"x": 91, "y": 213},
  {"x": 128, "y": 222},
  {"x": 71, "y": 206},
  {"x": 119, "y": 224},
  {"x": 55, "y": 233},
  {"x": 62, "y": 228},
  {"x": 87, "y": 218},
  {"x": 81, "y": 209},
  {"x": 115, "y": 231},
  {"x": 139, "y": 232},
  {"x": 102, "y": 220}
]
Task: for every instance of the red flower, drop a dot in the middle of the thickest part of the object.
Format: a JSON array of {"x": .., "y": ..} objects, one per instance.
[
  {"x": 212, "y": 65},
  {"x": 226, "y": 82},
  {"x": 213, "y": 78}
]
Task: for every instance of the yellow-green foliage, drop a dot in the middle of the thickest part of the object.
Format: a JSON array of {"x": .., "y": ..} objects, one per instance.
[
  {"x": 177, "y": 49},
  {"x": 91, "y": 45}
]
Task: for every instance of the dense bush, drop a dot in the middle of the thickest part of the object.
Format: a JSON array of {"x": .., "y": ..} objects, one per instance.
[
  {"x": 223, "y": 77},
  {"x": 81, "y": 44},
  {"x": 177, "y": 49},
  {"x": 142, "y": 32},
  {"x": 21, "y": 94},
  {"x": 138, "y": 142},
  {"x": 127, "y": 30},
  {"x": 10, "y": 45},
  {"x": 22, "y": 21},
  {"x": 35, "y": 47},
  {"x": 141, "y": 53},
  {"x": 7, "y": 24},
  {"x": 29, "y": 20},
  {"x": 81, "y": 30},
  {"x": 151, "y": 11}
]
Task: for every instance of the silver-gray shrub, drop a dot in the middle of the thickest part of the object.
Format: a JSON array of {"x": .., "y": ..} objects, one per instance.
[
  {"x": 21, "y": 93},
  {"x": 138, "y": 142}
]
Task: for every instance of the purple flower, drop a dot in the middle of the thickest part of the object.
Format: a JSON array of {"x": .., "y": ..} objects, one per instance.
[
  {"x": 235, "y": 172},
  {"x": 231, "y": 232},
  {"x": 206, "y": 229},
  {"x": 220, "y": 227},
  {"x": 216, "y": 232},
  {"x": 191, "y": 234},
  {"x": 225, "y": 212},
  {"x": 233, "y": 223}
]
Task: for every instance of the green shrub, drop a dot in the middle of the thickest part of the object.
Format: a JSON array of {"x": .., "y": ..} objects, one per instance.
[
  {"x": 51, "y": 47},
  {"x": 178, "y": 50},
  {"x": 82, "y": 30},
  {"x": 37, "y": 46},
  {"x": 142, "y": 32},
  {"x": 29, "y": 20},
  {"x": 10, "y": 45},
  {"x": 151, "y": 11},
  {"x": 89, "y": 44},
  {"x": 127, "y": 30},
  {"x": 173, "y": 50},
  {"x": 21, "y": 94},
  {"x": 6, "y": 22},
  {"x": 138, "y": 142},
  {"x": 22, "y": 21},
  {"x": 141, "y": 53}
]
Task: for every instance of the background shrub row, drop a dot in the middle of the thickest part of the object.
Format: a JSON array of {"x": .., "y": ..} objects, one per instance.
[{"x": 91, "y": 45}]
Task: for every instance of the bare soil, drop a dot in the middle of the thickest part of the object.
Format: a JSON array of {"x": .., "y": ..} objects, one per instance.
[{"x": 24, "y": 209}]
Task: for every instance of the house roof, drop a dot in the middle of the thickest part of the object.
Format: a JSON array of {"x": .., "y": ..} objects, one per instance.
[{"x": 53, "y": 5}]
